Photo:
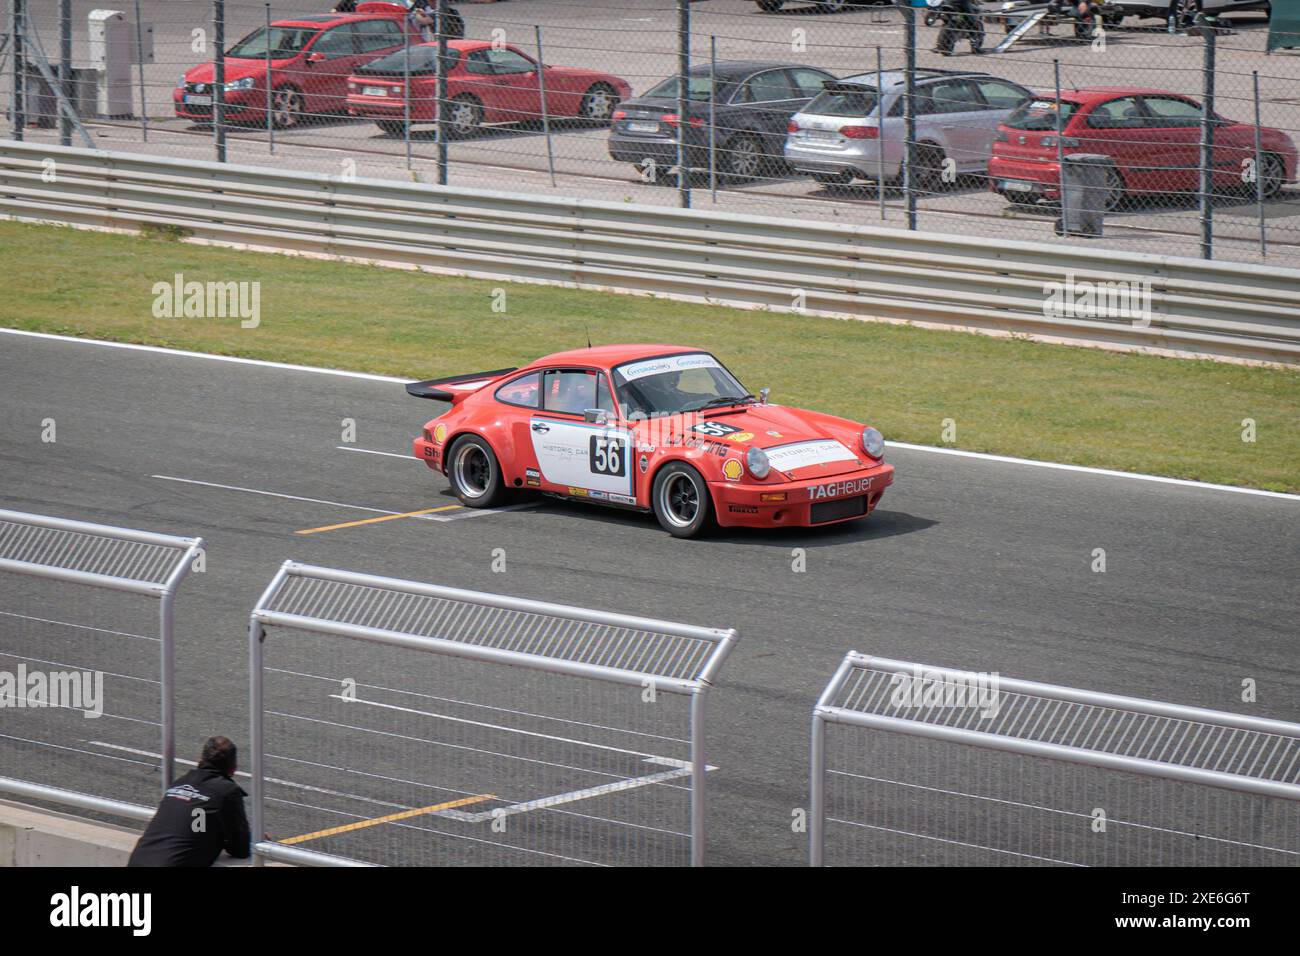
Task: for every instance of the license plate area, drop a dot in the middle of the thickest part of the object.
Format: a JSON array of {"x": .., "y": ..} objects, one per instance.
[
  {"x": 1017, "y": 186},
  {"x": 835, "y": 510},
  {"x": 374, "y": 91},
  {"x": 642, "y": 126},
  {"x": 193, "y": 99}
]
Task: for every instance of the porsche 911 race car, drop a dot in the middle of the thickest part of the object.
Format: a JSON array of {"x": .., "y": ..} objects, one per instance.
[{"x": 659, "y": 428}]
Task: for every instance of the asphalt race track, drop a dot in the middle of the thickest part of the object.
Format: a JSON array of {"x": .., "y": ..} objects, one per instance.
[{"x": 970, "y": 563}]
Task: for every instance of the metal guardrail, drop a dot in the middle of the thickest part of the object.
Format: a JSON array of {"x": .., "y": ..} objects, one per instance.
[
  {"x": 1189, "y": 306},
  {"x": 536, "y": 713},
  {"x": 1217, "y": 783},
  {"x": 117, "y": 559}
]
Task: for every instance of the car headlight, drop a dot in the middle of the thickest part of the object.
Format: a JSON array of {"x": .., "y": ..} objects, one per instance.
[
  {"x": 873, "y": 443},
  {"x": 245, "y": 84},
  {"x": 757, "y": 463},
  {"x": 180, "y": 84}
]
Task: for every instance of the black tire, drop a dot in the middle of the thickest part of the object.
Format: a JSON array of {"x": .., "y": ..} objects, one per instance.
[
  {"x": 392, "y": 127},
  {"x": 1116, "y": 189},
  {"x": 743, "y": 158},
  {"x": 464, "y": 117},
  {"x": 598, "y": 104},
  {"x": 770, "y": 6},
  {"x": 475, "y": 473},
  {"x": 929, "y": 168},
  {"x": 1187, "y": 12},
  {"x": 288, "y": 108},
  {"x": 1272, "y": 173},
  {"x": 832, "y": 6},
  {"x": 680, "y": 500}
]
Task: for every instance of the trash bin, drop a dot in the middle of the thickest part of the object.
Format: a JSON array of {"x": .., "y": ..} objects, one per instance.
[
  {"x": 42, "y": 109},
  {"x": 1083, "y": 194}
]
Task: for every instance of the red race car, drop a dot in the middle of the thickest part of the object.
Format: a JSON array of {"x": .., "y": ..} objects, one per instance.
[
  {"x": 485, "y": 84},
  {"x": 311, "y": 59},
  {"x": 659, "y": 428}
]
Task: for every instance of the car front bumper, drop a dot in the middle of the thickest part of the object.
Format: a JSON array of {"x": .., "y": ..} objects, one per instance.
[{"x": 806, "y": 504}]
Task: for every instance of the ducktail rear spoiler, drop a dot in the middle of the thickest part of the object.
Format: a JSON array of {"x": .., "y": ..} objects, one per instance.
[{"x": 455, "y": 387}]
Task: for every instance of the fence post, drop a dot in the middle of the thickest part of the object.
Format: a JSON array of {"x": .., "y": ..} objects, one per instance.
[
  {"x": 1207, "y": 142},
  {"x": 440, "y": 71},
  {"x": 65, "y": 69},
  {"x": 219, "y": 78},
  {"x": 1060, "y": 147},
  {"x": 406, "y": 97},
  {"x": 1259, "y": 171},
  {"x": 546, "y": 114},
  {"x": 699, "y": 769},
  {"x": 683, "y": 100},
  {"x": 256, "y": 816},
  {"x": 270, "y": 87},
  {"x": 139, "y": 72},
  {"x": 16, "y": 27},
  {"x": 817, "y": 795},
  {"x": 713, "y": 118},
  {"x": 909, "y": 113},
  {"x": 880, "y": 133}
]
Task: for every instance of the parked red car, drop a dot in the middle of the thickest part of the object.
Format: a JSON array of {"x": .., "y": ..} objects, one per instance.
[
  {"x": 485, "y": 84},
  {"x": 1152, "y": 136},
  {"x": 311, "y": 59}
]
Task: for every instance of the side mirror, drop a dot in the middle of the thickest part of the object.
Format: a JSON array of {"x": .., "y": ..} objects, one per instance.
[
  {"x": 762, "y": 395},
  {"x": 315, "y": 58},
  {"x": 595, "y": 416}
]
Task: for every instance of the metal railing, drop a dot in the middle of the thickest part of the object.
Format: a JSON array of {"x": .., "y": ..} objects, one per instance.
[
  {"x": 1083, "y": 296},
  {"x": 136, "y": 563},
  {"x": 913, "y": 763},
  {"x": 482, "y": 729}
]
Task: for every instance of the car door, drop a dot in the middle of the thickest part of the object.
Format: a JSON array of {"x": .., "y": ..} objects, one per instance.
[
  {"x": 479, "y": 82},
  {"x": 999, "y": 98},
  {"x": 1120, "y": 128},
  {"x": 515, "y": 78},
  {"x": 768, "y": 101},
  {"x": 330, "y": 62},
  {"x": 523, "y": 396},
  {"x": 576, "y": 457},
  {"x": 1179, "y": 120},
  {"x": 952, "y": 112}
]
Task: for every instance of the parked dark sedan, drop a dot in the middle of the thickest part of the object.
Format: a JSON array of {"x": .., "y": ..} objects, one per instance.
[{"x": 753, "y": 104}]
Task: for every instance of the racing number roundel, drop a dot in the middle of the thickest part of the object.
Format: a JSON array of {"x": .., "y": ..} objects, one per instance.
[{"x": 608, "y": 455}]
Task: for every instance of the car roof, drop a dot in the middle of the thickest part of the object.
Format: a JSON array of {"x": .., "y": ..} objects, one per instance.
[
  {"x": 737, "y": 69},
  {"x": 330, "y": 19},
  {"x": 1090, "y": 94},
  {"x": 607, "y": 356},
  {"x": 895, "y": 78}
]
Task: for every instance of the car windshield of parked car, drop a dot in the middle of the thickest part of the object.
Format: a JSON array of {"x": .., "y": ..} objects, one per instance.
[
  {"x": 423, "y": 60},
  {"x": 668, "y": 385},
  {"x": 843, "y": 101},
  {"x": 285, "y": 42},
  {"x": 697, "y": 90},
  {"x": 1040, "y": 114}
]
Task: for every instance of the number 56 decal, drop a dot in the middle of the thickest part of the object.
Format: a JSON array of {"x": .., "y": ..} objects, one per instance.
[{"x": 608, "y": 456}]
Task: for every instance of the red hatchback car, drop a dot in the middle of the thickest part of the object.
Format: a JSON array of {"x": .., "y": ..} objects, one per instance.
[
  {"x": 655, "y": 428},
  {"x": 311, "y": 59},
  {"x": 486, "y": 83},
  {"x": 1152, "y": 136}
]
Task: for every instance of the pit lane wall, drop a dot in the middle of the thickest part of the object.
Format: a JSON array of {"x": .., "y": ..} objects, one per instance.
[{"x": 1071, "y": 294}]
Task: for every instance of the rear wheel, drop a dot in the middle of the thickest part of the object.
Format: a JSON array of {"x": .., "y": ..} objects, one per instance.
[
  {"x": 1116, "y": 190},
  {"x": 474, "y": 473},
  {"x": 743, "y": 157},
  {"x": 929, "y": 168},
  {"x": 599, "y": 103},
  {"x": 392, "y": 127},
  {"x": 464, "y": 117},
  {"x": 1188, "y": 11},
  {"x": 1272, "y": 175},
  {"x": 287, "y": 108},
  {"x": 681, "y": 501}
]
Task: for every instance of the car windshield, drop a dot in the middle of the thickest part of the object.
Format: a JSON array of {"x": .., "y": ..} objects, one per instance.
[
  {"x": 285, "y": 41},
  {"x": 843, "y": 101},
  {"x": 667, "y": 385},
  {"x": 1040, "y": 114},
  {"x": 697, "y": 89},
  {"x": 423, "y": 59}
]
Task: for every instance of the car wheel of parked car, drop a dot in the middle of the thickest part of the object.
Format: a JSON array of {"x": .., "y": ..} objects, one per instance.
[
  {"x": 286, "y": 108},
  {"x": 929, "y": 168},
  {"x": 770, "y": 6},
  {"x": 1116, "y": 188},
  {"x": 392, "y": 127},
  {"x": 1188, "y": 11},
  {"x": 464, "y": 117},
  {"x": 681, "y": 501},
  {"x": 1272, "y": 175},
  {"x": 743, "y": 157},
  {"x": 832, "y": 6},
  {"x": 599, "y": 103},
  {"x": 474, "y": 473}
]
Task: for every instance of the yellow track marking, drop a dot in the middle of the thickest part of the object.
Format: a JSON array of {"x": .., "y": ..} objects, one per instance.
[
  {"x": 391, "y": 818},
  {"x": 353, "y": 524}
]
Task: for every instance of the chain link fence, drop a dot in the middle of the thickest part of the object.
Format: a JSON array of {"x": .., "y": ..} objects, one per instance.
[{"x": 1190, "y": 113}]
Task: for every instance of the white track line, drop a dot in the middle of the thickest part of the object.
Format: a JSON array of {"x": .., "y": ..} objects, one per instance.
[
  {"x": 371, "y": 451},
  {"x": 1001, "y": 459}
]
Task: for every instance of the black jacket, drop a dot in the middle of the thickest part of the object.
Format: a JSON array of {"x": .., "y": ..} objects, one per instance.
[{"x": 202, "y": 814}]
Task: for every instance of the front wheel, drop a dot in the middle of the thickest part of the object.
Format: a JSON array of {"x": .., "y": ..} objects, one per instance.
[
  {"x": 681, "y": 501},
  {"x": 598, "y": 104},
  {"x": 287, "y": 108},
  {"x": 464, "y": 117},
  {"x": 475, "y": 473}
]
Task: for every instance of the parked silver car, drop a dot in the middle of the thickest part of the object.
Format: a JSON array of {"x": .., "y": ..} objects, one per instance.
[{"x": 838, "y": 137}]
